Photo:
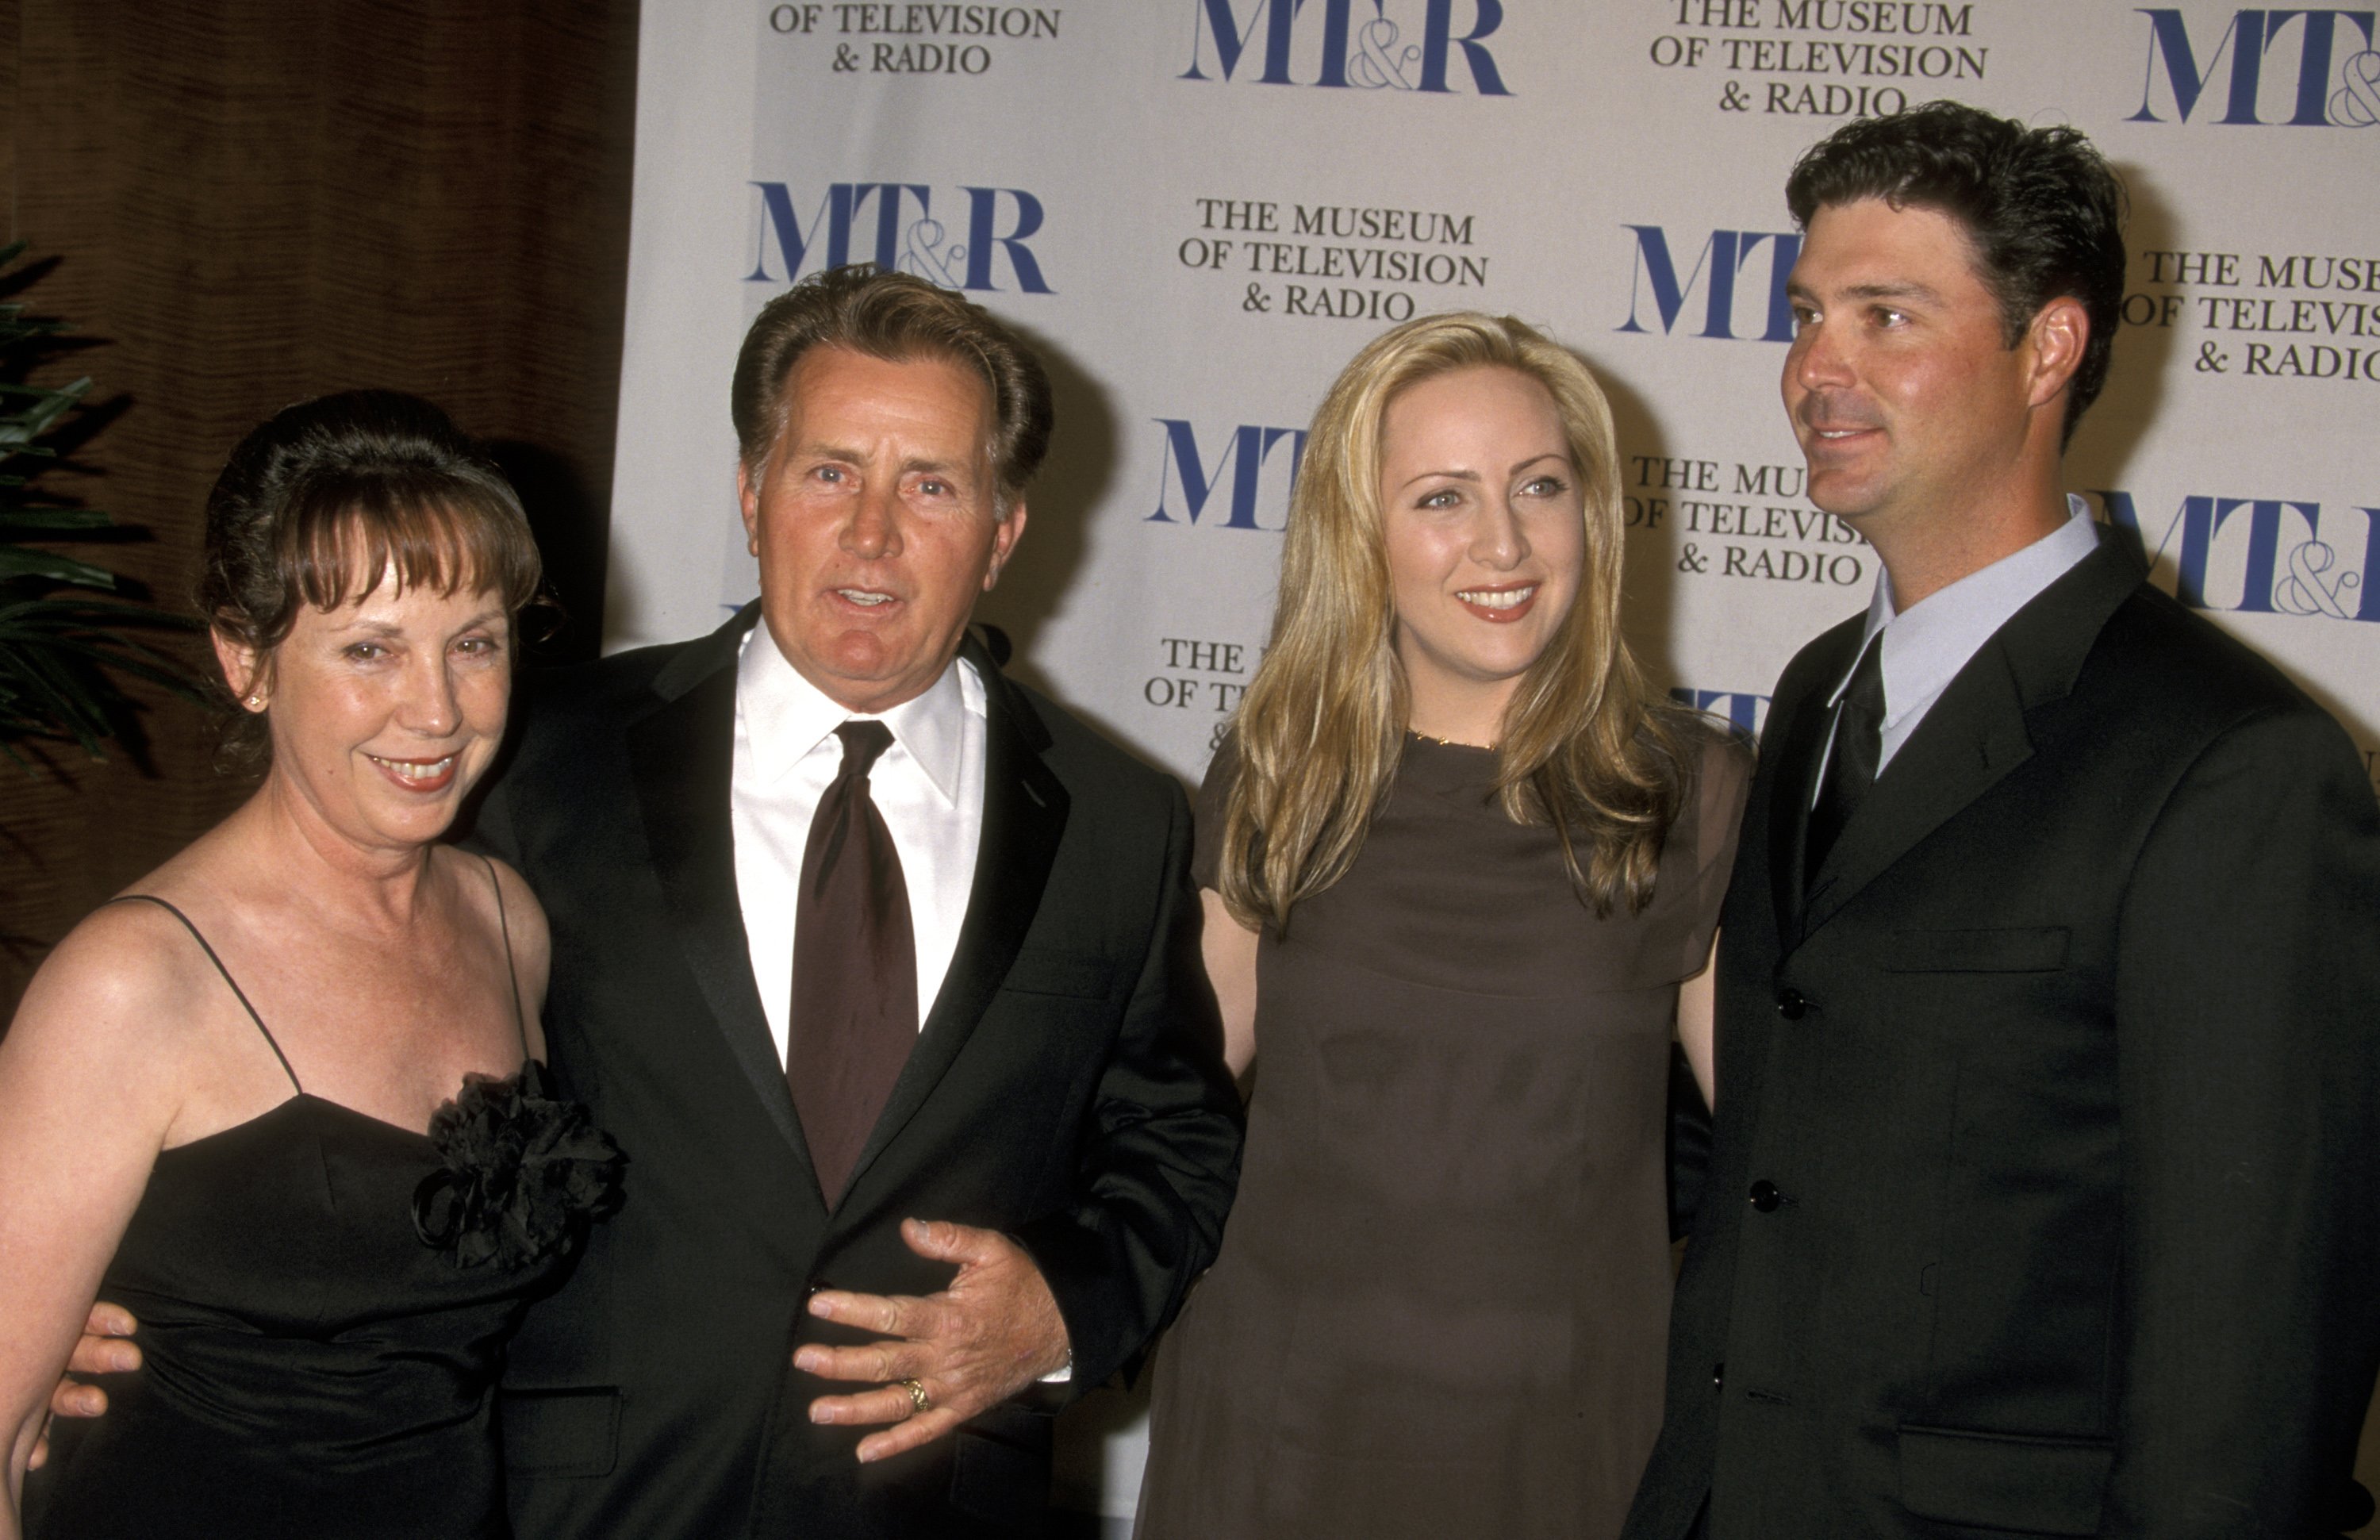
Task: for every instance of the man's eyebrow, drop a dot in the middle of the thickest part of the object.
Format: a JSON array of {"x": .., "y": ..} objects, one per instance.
[
  {"x": 823, "y": 451},
  {"x": 1900, "y": 289},
  {"x": 1905, "y": 288}
]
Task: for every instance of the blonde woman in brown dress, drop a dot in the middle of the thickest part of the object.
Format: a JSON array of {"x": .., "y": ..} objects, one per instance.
[{"x": 1462, "y": 868}]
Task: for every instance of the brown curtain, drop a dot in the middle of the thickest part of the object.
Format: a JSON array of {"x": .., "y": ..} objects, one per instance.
[{"x": 236, "y": 206}]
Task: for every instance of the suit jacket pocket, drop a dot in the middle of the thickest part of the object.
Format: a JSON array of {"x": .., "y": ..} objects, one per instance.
[
  {"x": 2018, "y": 949},
  {"x": 1055, "y": 971},
  {"x": 2030, "y": 1485},
  {"x": 573, "y": 1432}
]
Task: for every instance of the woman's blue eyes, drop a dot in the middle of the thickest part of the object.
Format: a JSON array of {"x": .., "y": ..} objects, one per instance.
[{"x": 1543, "y": 486}]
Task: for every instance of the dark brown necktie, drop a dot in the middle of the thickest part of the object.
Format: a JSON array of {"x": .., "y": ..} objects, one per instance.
[
  {"x": 1850, "y": 763},
  {"x": 855, "y": 1015}
]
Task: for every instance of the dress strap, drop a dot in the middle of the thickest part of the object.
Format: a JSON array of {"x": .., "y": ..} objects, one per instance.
[
  {"x": 520, "y": 1021},
  {"x": 239, "y": 993}
]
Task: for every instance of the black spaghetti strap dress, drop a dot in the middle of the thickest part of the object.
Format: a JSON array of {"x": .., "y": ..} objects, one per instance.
[{"x": 323, "y": 1300}]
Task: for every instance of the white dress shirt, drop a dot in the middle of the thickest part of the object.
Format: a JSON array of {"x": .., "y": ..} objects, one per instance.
[
  {"x": 929, "y": 785},
  {"x": 1927, "y": 644}
]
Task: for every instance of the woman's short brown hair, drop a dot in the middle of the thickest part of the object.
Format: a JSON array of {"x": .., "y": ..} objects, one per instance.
[{"x": 327, "y": 498}]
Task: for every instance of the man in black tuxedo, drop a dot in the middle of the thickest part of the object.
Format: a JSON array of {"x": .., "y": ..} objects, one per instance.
[
  {"x": 1053, "y": 1097},
  {"x": 2042, "y": 1195}
]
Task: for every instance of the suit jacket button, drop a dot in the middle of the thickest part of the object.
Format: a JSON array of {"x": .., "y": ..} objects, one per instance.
[
  {"x": 1718, "y": 1375},
  {"x": 1766, "y": 1197},
  {"x": 1791, "y": 1004}
]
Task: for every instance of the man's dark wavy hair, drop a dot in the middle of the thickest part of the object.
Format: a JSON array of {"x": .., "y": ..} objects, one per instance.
[{"x": 2041, "y": 207}]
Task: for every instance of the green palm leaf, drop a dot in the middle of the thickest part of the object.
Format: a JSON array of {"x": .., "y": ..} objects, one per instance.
[{"x": 64, "y": 656}]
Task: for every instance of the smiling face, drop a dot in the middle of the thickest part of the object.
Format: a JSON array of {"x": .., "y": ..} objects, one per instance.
[
  {"x": 383, "y": 711},
  {"x": 1912, "y": 409},
  {"x": 1485, "y": 523},
  {"x": 875, "y": 518}
]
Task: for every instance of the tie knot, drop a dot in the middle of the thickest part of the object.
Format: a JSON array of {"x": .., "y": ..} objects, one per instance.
[{"x": 862, "y": 742}]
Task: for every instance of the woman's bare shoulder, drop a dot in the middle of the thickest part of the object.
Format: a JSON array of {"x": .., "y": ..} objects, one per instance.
[
  {"x": 508, "y": 902},
  {"x": 113, "y": 1000}
]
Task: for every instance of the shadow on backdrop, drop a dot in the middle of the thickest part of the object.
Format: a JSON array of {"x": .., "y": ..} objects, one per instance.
[
  {"x": 1060, "y": 506},
  {"x": 1648, "y": 598},
  {"x": 573, "y": 528}
]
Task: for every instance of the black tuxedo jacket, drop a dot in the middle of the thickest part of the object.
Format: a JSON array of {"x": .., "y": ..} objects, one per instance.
[
  {"x": 2045, "y": 1193},
  {"x": 1067, "y": 1088}
]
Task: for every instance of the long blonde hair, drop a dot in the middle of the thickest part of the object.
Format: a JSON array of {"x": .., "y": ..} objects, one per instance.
[{"x": 1588, "y": 746}]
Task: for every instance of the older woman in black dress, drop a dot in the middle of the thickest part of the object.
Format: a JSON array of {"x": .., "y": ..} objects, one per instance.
[
  {"x": 1461, "y": 872},
  {"x": 281, "y": 1098}
]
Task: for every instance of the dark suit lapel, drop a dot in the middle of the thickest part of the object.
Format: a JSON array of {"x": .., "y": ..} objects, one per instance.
[
  {"x": 682, "y": 754},
  {"x": 1975, "y": 733},
  {"x": 1023, "y": 816},
  {"x": 1793, "y": 748}
]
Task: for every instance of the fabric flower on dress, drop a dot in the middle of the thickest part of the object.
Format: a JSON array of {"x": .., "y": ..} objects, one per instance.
[{"x": 525, "y": 1173}]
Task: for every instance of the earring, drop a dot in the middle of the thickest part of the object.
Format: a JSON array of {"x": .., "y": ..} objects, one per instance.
[{"x": 255, "y": 702}]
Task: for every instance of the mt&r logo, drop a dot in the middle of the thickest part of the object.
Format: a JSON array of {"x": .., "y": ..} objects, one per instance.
[
  {"x": 1744, "y": 710},
  {"x": 2280, "y": 555},
  {"x": 1378, "y": 53},
  {"x": 1259, "y": 484},
  {"x": 1725, "y": 257},
  {"x": 2325, "y": 90},
  {"x": 994, "y": 229}
]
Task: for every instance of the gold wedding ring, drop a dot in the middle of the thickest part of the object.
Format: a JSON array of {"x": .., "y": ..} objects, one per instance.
[{"x": 919, "y": 1400}]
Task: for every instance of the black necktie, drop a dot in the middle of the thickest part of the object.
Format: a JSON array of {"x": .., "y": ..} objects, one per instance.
[
  {"x": 1851, "y": 762},
  {"x": 854, "y": 1015}
]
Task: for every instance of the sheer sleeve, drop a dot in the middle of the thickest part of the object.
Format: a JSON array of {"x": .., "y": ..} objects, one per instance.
[{"x": 1700, "y": 855}]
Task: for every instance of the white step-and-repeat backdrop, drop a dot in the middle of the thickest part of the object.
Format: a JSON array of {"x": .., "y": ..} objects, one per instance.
[{"x": 1200, "y": 208}]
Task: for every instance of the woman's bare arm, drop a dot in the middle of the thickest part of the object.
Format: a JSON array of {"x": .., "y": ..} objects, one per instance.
[
  {"x": 1230, "y": 949},
  {"x": 1697, "y": 1000},
  {"x": 89, "y": 1085}
]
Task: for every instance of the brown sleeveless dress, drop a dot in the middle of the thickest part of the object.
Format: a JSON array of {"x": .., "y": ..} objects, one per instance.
[{"x": 1441, "y": 1305}]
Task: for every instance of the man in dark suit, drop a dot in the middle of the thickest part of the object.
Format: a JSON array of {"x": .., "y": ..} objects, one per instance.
[
  {"x": 1052, "y": 1096},
  {"x": 2042, "y": 1195}
]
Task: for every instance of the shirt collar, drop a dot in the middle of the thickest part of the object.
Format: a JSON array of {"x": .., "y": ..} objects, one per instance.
[
  {"x": 785, "y": 716},
  {"x": 1928, "y": 643}
]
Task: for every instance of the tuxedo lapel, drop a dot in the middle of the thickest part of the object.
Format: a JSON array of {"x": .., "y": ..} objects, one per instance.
[
  {"x": 1977, "y": 732},
  {"x": 682, "y": 754},
  {"x": 1023, "y": 816}
]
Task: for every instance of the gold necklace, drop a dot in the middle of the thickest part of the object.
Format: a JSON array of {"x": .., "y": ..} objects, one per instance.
[{"x": 1447, "y": 742}]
